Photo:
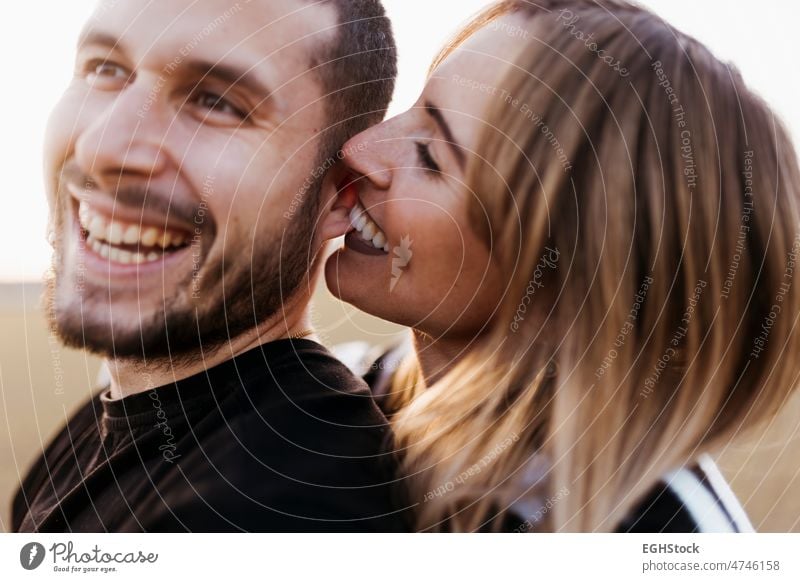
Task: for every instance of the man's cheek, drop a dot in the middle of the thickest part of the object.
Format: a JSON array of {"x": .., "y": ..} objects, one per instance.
[
  {"x": 68, "y": 119},
  {"x": 56, "y": 151}
]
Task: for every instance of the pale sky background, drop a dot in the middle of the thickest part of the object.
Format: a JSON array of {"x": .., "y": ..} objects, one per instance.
[{"x": 38, "y": 40}]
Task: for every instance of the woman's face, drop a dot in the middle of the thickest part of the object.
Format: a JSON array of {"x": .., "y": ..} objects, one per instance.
[{"x": 412, "y": 254}]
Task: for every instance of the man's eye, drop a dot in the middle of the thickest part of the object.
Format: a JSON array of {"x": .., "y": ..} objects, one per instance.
[
  {"x": 105, "y": 71},
  {"x": 217, "y": 104}
]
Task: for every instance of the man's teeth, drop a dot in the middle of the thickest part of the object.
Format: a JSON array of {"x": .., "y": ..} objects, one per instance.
[
  {"x": 122, "y": 256},
  {"x": 104, "y": 232},
  {"x": 366, "y": 227}
]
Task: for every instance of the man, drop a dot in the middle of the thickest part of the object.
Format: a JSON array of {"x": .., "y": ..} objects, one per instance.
[{"x": 183, "y": 169}]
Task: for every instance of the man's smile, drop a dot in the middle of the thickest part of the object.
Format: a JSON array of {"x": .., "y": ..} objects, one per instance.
[
  {"x": 125, "y": 242},
  {"x": 126, "y": 237}
]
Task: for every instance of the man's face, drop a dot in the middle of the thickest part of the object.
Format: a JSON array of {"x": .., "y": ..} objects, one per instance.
[{"x": 177, "y": 166}]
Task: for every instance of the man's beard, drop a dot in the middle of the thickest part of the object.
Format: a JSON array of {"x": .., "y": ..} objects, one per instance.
[{"x": 184, "y": 331}]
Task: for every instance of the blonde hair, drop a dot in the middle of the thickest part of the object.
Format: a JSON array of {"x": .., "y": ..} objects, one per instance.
[{"x": 647, "y": 236}]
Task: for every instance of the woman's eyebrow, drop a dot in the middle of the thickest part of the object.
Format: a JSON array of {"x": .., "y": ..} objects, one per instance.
[{"x": 438, "y": 117}]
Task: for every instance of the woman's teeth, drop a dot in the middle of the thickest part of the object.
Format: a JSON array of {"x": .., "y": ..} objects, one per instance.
[
  {"x": 104, "y": 235},
  {"x": 366, "y": 227}
]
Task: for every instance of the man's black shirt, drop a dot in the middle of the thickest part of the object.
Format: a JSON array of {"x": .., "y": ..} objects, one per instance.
[{"x": 281, "y": 438}]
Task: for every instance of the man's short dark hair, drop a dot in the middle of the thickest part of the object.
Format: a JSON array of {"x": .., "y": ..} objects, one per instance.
[{"x": 357, "y": 70}]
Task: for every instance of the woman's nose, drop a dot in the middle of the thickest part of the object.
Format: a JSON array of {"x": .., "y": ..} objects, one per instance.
[{"x": 375, "y": 154}]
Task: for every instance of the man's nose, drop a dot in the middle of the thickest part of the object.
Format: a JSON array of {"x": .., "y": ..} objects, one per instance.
[{"x": 127, "y": 138}]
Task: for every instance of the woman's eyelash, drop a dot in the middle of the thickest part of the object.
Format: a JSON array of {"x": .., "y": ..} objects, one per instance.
[{"x": 424, "y": 152}]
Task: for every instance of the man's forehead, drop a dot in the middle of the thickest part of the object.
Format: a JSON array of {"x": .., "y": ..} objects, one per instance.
[{"x": 214, "y": 28}]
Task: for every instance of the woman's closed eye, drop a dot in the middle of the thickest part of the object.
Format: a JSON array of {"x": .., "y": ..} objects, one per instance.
[{"x": 426, "y": 159}]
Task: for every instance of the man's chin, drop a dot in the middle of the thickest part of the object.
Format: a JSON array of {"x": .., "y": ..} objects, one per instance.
[
  {"x": 120, "y": 329},
  {"x": 179, "y": 320},
  {"x": 98, "y": 335}
]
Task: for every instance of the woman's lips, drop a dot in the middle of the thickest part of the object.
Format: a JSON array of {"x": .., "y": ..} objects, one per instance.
[
  {"x": 349, "y": 218},
  {"x": 354, "y": 242},
  {"x": 367, "y": 229}
]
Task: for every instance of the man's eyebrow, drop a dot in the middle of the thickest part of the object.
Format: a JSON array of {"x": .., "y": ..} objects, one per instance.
[
  {"x": 228, "y": 73},
  {"x": 436, "y": 113},
  {"x": 231, "y": 74},
  {"x": 94, "y": 36}
]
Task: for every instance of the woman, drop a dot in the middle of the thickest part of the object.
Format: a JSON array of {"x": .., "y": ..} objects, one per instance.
[{"x": 591, "y": 225}]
